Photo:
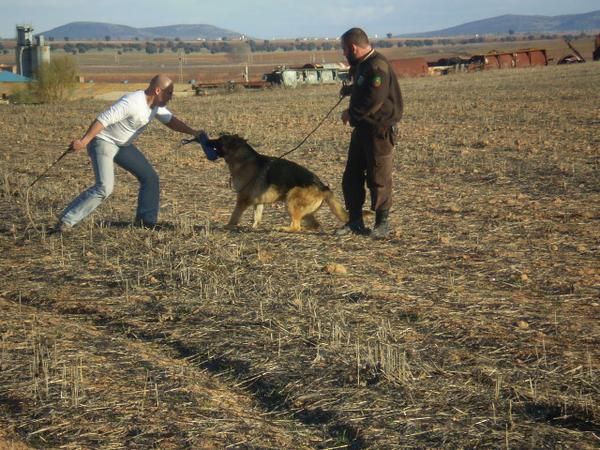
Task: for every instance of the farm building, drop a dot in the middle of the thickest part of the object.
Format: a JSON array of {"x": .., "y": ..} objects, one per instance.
[
  {"x": 9, "y": 77},
  {"x": 335, "y": 73},
  {"x": 444, "y": 66},
  {"x": 30, "y": 53},
  {"x": 307, "y": 74},
  {"x": 8, "y": 68},
  {"x": 410, "y": 67},
  {"x": 492, "y": 60},
  {"x": 508, "y": 60}
]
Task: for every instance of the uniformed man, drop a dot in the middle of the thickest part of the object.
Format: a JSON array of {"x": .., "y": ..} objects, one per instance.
[{"x": 375, "y": 108}]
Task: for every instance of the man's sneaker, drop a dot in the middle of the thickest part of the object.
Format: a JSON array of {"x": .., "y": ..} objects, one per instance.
[
  {"x": 209, "y": 150},
  {"x": 355, "y": 227}
]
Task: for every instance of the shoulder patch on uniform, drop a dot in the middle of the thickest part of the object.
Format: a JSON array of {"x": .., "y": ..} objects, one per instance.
[{"x": 376, "y": 81}]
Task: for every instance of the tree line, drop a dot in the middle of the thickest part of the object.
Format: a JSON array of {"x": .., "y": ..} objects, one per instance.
[{"x": 251, "y": 46}]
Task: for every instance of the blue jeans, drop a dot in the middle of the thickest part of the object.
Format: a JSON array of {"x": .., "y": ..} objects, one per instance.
[{"x": 103, "y": 154}]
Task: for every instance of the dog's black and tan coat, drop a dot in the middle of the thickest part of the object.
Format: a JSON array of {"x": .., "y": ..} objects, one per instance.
[{"x": 259, "y": 179}]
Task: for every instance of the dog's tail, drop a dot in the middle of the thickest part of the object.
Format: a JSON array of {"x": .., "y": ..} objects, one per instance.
[{"x": 336, "y": 207}]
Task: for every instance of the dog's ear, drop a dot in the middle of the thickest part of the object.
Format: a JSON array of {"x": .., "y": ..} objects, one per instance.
[
  {"x": 225, "y": 136},
  {"x": 225, "y": 139},
  {"x": 239, "y": 139},
  {"x": 232, "y": 139}
]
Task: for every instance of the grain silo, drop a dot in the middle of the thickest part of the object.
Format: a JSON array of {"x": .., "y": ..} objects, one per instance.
[{"x": 30, "y": 53}]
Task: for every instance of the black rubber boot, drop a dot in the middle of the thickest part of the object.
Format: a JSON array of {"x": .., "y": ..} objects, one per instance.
[
  {"x": 382, "y": 228},
  {"x": 355, "y": 225}
]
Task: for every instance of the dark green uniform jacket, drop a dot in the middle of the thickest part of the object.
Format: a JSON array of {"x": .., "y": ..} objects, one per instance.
[{"x": 376, "y": 98}]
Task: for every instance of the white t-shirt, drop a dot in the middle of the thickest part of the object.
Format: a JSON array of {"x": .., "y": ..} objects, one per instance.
[{"x": 128, "y": 117}]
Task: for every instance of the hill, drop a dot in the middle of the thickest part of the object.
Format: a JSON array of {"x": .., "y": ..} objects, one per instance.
[
  {"x": 521, "y": 24},
  {"x": 98, "y": 30}
]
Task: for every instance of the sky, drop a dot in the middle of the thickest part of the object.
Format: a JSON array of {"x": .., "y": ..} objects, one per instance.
[{"x": 271, "y": 19}]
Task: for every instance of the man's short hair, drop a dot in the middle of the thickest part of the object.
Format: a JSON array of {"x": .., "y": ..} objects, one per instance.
[{"x": 356, "y": 36}]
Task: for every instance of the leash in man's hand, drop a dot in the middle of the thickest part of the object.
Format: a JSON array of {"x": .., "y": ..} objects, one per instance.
[{"x": 69, "y": 150}]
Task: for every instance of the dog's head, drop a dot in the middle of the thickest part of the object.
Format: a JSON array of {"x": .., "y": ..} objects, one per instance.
[{"x": 230, "y": 146}]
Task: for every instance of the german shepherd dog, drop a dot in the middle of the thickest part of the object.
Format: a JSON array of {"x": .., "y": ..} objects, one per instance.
[{"x": 260, "y": 179}]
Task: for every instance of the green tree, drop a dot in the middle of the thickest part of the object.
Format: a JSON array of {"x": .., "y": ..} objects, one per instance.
[
  {"x": 82, "y": 47},
  {"x": 240, "y": 52},
  {"x": 151, "y": 48}
]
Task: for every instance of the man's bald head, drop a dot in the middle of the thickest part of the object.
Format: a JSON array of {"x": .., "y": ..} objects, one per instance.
[
  {"x": 160, "y": 81},
  {"x": 159, "y": 91}
]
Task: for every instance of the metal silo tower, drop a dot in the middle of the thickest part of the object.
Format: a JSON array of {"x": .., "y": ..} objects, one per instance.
[{"x": 30, "y": 53}]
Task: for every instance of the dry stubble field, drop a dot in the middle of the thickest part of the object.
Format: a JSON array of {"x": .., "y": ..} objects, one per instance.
[{"x": 476, "y": 325}]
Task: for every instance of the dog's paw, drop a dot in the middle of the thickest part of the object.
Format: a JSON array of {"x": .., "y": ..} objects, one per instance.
[{"x": 231, "y": 227}]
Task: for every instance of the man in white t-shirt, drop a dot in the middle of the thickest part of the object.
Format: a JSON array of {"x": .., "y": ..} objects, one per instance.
[{"x": 109, "y": 140}]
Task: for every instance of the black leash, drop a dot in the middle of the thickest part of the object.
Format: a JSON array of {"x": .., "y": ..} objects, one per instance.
[
  {"x": 195, "y": 139},
  {"x": 315, "y": 129},
  {"x": 189, "y": 141},
  {"x": 69, "y": 150}
]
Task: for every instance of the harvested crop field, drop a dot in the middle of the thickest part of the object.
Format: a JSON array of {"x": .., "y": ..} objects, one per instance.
[{"x": 475, "y": 325}]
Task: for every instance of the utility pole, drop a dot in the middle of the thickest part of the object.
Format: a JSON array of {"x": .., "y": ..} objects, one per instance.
[{"x": 180, "y": 66}]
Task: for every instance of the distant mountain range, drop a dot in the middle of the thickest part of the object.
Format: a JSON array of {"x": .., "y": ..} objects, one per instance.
[
  {"x": 100, "y": 31},
  {"x": 520, "y": 24},
  {"x": 495, "y": 25}
]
